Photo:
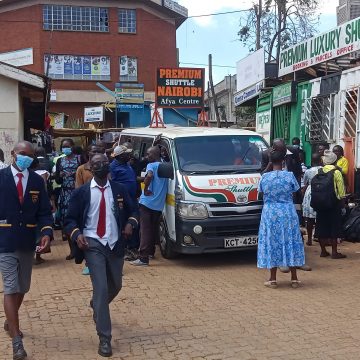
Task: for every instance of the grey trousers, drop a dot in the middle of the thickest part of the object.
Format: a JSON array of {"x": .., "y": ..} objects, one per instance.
[{"x": 105, "y": 267}]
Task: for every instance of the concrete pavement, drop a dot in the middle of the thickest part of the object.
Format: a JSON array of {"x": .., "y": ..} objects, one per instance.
[{"x": 204, "y": 307}]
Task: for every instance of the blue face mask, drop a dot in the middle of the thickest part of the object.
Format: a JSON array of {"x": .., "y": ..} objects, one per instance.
[
  {"x": 23, "y": 162},
  {"x": 67, "y": 151}
]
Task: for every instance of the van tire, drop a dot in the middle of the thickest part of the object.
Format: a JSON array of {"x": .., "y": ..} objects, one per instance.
[{"x": 166, "y": 246}]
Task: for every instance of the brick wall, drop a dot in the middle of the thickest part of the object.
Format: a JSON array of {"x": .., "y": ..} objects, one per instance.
[{"x": 154, "y": 44}]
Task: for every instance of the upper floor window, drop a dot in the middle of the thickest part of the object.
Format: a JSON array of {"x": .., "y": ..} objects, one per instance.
[
  {"x": 127, "y": 21},
  {"x": 75, "y": 18}
]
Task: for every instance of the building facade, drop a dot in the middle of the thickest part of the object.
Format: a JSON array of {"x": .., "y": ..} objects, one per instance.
[
  {"x": 224, "y": 91},
  {"x": 347, "y": 10},
  {"x": 79, "y": 44}
]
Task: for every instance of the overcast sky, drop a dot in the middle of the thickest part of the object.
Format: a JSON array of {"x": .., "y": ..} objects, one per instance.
[{"x": 217, "y": 35}]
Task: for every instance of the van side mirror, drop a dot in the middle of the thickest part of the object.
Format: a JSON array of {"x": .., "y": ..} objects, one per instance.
[{"x": 166, "y": 171}]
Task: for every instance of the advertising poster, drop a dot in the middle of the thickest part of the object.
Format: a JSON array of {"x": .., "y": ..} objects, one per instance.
[
  {"x": 68, "y": 65},
  {"x": 86, "y": 65},
  {"x": 95, "y": 65},
  {"x": 124, "y": 66},
  {"x": 132, "y": 67},
  {"x": 180, "y": 88},
  {"x": 57, "y": 65},
  {"x": 78, "y": 65},
  {"x": 105, "y": 66}
]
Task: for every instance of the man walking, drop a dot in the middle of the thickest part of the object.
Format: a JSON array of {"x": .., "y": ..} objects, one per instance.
[
  {"x": 152, "y": 202},
  {"x": 84, "y": 176},
  {"x": 25, "y": 206},
  {"x": 97, "y": 224}
]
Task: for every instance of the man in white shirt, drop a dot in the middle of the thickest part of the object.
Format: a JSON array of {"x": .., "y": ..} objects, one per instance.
[{"x": 100, "y": 215}]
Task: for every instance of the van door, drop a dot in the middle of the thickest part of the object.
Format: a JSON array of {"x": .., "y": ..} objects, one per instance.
[{"x": 169, "y": 210}]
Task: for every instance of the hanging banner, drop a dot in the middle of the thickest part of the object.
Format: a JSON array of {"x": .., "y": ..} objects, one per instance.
[
  {"x": 78, "y": 70},
  {"x": 180, "y": 88},
  {"x": 339, "y": 41},
  {"x": 105, "y": 65},
  {"x": 87, "y": 65},
  {"x": 74, "y": 67},
  {"x": 68, "y": 65}
]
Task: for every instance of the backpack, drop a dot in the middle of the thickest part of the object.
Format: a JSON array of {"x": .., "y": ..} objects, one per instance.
[{"x": 323, "y": 195}]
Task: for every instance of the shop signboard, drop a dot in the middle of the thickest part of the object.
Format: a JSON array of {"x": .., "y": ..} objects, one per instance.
[
  {"x": 94, "y": 114},
  {"x": 180, "y": 88},
  {"x": 249, "y": 93},
  {"x": 339, "y": 41},
  {"x": 284, "y": 94},
  {"x": 19, "y": 57},
  {"x": 250, "y": 70},
  {"x": 126, "y": 93},
  {"x": 263, "y": 124}
]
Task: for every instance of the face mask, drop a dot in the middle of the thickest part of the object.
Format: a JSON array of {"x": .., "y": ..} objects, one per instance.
[
  {"x": 102, "y": 172},
  {"x": 67, "y": 151},
  {"x": 23, "y": 162}
]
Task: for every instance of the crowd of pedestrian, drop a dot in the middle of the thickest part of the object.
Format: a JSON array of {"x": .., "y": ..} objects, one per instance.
[{"x": 95, "y": 198}]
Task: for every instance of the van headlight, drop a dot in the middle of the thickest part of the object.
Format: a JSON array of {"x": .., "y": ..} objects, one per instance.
[{"x": 192, "y": 210}]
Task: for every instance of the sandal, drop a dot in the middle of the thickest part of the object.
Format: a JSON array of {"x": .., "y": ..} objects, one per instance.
[
  {"x": 295, "y": 284},
  {"x": 271, "y": 284}
]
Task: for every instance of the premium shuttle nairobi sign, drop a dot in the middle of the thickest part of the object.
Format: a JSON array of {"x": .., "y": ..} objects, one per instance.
[
  {"x": 180, "y": 88},
  {"x": 329, "y": 45}
]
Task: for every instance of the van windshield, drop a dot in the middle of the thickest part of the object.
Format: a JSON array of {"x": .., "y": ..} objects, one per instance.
[{"x": 220, "y": 154}]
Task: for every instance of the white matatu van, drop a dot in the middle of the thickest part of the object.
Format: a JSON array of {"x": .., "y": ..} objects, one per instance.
[{"x": 212, "y": 203}]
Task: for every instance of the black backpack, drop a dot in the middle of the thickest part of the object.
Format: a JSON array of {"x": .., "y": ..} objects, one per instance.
[{"x": 323, "y": 195}]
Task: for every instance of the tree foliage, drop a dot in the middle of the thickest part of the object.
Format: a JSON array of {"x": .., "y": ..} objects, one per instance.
[{"x": 282, "y": 24}]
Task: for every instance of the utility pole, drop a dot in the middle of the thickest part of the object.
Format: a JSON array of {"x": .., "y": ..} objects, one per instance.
[
  {"x": 213, "y": 92},
  {"x": 258, "y": 9}
]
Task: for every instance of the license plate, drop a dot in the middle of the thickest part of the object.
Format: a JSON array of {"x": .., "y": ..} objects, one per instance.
[{"x": 240, "y": 241}]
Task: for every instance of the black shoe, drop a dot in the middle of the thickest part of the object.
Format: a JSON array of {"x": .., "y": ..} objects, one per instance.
[
  {"x": 19, "y": 352},
  {"x": 105, "y": 349}
]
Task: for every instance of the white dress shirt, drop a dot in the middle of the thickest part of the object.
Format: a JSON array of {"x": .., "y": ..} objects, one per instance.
[
  {"x": 25, "y": 177},
  {"x": 112, "y": 233}
]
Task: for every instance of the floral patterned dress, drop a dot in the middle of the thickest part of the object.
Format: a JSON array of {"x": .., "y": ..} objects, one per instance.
[
  {"x": 69, "y": 167},
  {"x": 280, "y": 241},
  {"x": 308, "y": 211}
]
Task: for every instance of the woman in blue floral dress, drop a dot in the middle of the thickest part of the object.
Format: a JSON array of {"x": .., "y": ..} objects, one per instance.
[
  {"x": 280, "y": 241},
  {"x": 65, "y": 175}
]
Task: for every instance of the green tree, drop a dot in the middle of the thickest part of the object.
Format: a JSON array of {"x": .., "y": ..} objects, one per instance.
[{"x": 278, "y": 24}]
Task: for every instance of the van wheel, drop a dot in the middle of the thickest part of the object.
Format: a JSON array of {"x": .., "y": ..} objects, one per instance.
[{"x": 166, "y": 246}]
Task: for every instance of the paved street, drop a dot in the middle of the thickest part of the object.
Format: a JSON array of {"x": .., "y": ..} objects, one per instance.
[{"x": 204, "y": 307}]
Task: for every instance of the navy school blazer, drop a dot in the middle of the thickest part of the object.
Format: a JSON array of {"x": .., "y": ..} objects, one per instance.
[
  {"x": 19, "y": 223},
  {"x": 125, "y": 211}
]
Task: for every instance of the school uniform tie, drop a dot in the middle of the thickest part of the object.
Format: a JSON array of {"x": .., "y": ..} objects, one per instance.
[
  {"x": 101, "y": 228},
  {"x": 20, "y": 188}
]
